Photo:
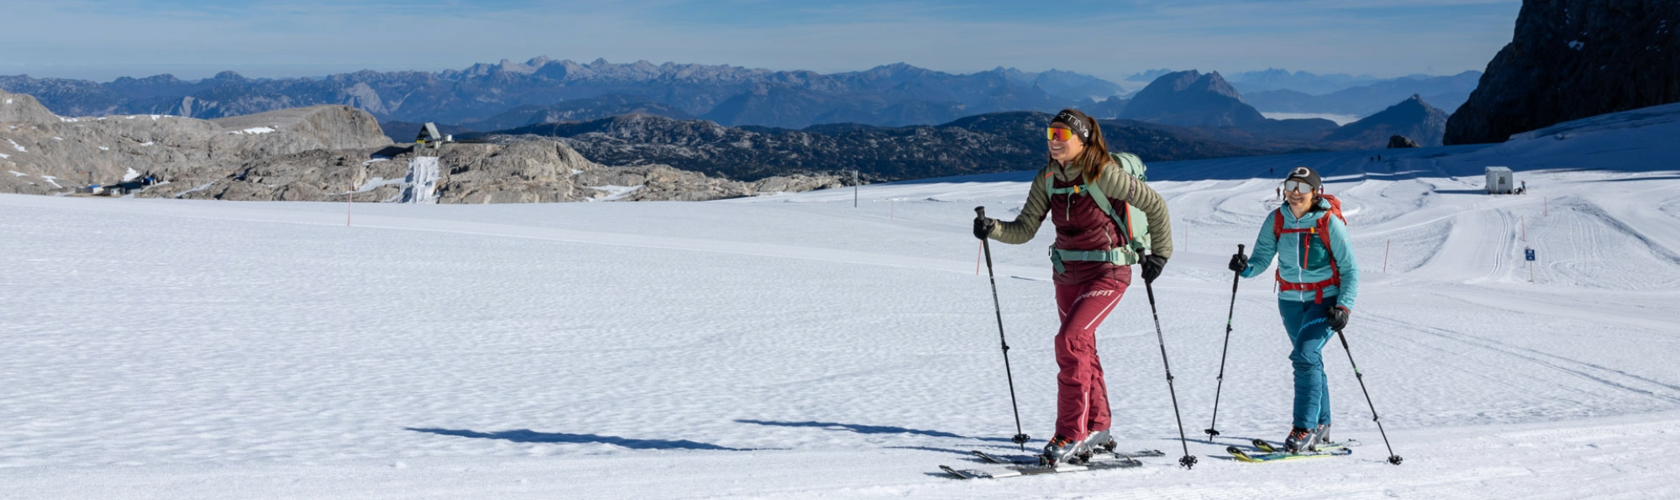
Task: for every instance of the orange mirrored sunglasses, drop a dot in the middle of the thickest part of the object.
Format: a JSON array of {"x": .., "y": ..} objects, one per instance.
[{"x": 1058, "y": 134}]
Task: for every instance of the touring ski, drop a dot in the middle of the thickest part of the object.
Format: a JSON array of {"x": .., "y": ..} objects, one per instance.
[
  {"x": 1017, "y": 470},
  {"x": 1275, "y": 456},
  {"x": 1268, "y": 447},
  {"x": 1095, "y": 456},
  {"x": 1104, "y": 460}
]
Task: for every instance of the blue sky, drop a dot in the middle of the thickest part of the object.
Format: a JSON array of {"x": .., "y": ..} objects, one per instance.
[{"x": 194, "y": 39}]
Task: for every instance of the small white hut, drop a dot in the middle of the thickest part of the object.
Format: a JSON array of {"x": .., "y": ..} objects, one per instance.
[{"x": 1499, "y": 181}]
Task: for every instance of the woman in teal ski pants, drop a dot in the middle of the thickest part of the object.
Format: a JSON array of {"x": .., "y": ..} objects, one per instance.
[{"x": 1318, "y": 279}]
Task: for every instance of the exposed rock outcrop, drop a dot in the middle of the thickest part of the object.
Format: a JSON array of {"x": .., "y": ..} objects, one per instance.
[
  {"x": 23, "y": 108},
  {"x": 333, "y": 127},
  {"x": 517, "y": 172},
  {"x": 1412, "y": 118},
  {"x": 1570, "y": 59},
  {"x": 44, "y": 153},
  {"x": 1401, "y": 142},
  {"x": 318, "y": 153}
]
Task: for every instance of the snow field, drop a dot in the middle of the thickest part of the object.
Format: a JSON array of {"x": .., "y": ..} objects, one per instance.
[{"x": 795, "y": 346}]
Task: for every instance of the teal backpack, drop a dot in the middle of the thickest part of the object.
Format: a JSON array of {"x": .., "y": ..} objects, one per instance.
[{"x": 1133, "y": 224}]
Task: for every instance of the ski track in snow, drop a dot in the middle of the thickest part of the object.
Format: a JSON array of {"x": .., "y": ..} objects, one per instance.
[{"x": 795, "y": 346}]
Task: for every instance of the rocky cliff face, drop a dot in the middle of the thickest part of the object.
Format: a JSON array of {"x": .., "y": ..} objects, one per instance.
[
  {"x": 1570, "y": 59},
  {"x": 1412, "y": 118},
  {"x": 1191, "y": 98},
  {"x": 317, "y": 153}
]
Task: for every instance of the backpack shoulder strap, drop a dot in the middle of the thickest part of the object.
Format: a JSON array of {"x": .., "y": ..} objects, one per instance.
[
  {"x": 1108, "y": 208},
  {"x": 1323, "y": 229}
]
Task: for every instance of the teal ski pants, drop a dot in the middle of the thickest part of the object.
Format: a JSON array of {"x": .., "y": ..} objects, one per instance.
[{"x": 1309, "y": 330}]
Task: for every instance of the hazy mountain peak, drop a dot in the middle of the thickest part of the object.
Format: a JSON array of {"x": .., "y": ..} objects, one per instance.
[
  {"x": 1148, "y": 75},
  {"x": 1195, "y": 82},
  {"x": 1413, "y": 118},
  {"x": 163, "y": 79},
  {"x": 1191, "y": 98}
]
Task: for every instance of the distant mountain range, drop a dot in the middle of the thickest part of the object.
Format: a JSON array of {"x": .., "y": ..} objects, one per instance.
[
  {"x": 1250, "y": 82},
  {"x": 1180, "y": 116},
  {"x": 509, "y": 94},
  {"x": 886, "y": 95},
  {"x": 1447, "y": 92}
]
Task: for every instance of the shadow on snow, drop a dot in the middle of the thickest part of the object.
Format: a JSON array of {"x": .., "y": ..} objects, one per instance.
[
  {"x": 868, "y": 429},
  {"x": 530, "y": 436}
]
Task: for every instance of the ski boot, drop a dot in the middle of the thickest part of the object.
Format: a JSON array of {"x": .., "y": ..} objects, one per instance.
[
  {"x": 1099, "y": 442},
  {"x": 1303, "y": 439},
  {"x": 1061, "y": 449},
  {"x": 1323, "y": 437},
  {"x": 1064, "y": 450}
]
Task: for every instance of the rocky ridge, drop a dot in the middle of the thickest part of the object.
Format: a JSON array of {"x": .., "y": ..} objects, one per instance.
[
  {"x": 317, "y": 154},
  {"x": 1571, "y": 59}
]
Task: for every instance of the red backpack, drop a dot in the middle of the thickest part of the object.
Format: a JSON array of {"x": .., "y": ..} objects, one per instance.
[{"x": 1322, "y": 229}]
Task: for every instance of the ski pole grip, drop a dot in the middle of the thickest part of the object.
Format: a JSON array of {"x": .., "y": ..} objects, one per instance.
[
  {"x": 981, "y": 211},
  {"x": 1239, "y": 248}
]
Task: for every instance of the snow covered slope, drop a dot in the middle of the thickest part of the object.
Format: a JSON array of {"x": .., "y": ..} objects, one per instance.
[{"x": 794, "y": 346}]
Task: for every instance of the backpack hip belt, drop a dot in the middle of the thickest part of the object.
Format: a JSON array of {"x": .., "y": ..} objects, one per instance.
[
  {"x": 1121, "y": 256},
  {"x": 1133, "y": 228}
]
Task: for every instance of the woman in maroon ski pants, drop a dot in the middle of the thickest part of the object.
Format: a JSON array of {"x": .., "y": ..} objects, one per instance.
[{"x": 1092, "y": 257}]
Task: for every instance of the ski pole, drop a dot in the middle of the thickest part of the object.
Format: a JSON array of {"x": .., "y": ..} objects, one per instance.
[
  {"x": 1188, "y": 461},
  {"x": 1020, "y": 438},
  {"x": 1392, "y": 458},
  {"x": 1212, "y": 429}
]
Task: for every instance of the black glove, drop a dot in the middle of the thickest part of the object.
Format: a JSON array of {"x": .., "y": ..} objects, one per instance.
[
  {"x": 1239, "y": 263},
  {"x": 983, "y": 226},
  {"x": 1339, "y": 318},
  {"x": 1152, "y": 265}
]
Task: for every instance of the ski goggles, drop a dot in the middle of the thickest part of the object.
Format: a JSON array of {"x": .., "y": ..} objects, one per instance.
[
  {"x": 1058, "y": 134},
  {"x": 1298, "y": 186}
]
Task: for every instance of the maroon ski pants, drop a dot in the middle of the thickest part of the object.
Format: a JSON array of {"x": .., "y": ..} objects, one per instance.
[{"x": 1081, "y": 395}]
